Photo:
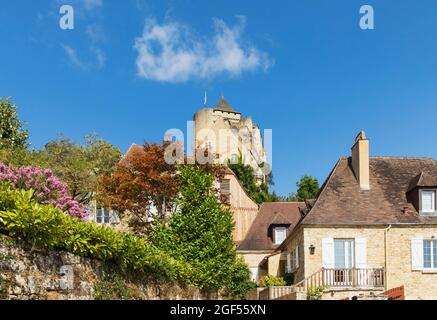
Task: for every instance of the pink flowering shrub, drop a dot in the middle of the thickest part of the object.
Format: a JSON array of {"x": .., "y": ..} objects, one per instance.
[{"x": 48, "y": 188}]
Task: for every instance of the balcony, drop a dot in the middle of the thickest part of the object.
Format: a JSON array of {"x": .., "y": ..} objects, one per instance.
[{"x": 354, "y": 279}]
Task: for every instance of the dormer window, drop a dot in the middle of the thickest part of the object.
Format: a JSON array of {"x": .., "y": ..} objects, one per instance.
[
  {"x": 280, "y": 233},
  {"x": 427, "y": 201}
]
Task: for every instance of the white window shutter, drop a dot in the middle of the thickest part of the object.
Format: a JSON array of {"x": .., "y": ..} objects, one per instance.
[
  {"x": 296, "y": 257},
  {"x": 328, "y": 252},
  {"x": 361, "y": 253},
  {"x": 289, "y": 263},
  {"x": 417, "y": 254}
]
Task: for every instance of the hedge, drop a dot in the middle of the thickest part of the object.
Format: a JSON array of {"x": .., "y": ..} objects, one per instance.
[{"x": 46, "y": 227}]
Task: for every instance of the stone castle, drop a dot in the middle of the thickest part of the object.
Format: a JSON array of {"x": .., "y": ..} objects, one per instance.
[{"x": 230, "y": 136}]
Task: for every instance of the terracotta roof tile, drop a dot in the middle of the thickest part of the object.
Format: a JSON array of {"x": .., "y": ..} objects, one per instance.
[
  {"x": 271, "y": 213},
  {"x": 342, "y": 202}
]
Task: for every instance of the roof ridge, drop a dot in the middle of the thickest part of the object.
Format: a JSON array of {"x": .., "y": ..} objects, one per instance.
[
  {"x": 402, "y": 157},
  {"x": 298, "y": 202}
]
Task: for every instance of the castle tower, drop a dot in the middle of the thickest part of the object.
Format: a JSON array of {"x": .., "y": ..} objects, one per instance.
[{"x": 230, "y": 136}]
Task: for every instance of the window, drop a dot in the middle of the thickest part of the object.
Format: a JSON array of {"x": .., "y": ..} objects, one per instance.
[
  {"x": 430, "y": 254},
  {"x": 288, "y": 266},
  {"x": 254, "y": 274},
  {"x": 234, "y": 158},
  {"x": 280, "y": 234},
  {"x": 344, "y": 253},
  {"x": 428, "y": 201},
  {"x": 293, "y": 260},
  {"x": 103, "y": 216}
]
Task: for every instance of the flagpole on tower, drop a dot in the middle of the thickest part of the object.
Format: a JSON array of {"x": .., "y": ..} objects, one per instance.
[{"x": 205, "y": 100}]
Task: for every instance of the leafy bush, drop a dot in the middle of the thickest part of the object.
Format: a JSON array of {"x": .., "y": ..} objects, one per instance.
[
  {"x": 315, "y": 293},
  {"x": 240, "y": 283},
  {"x": 271, "y": 281},
  {"x": 48, "y": 189},
  {"x": 46, "y": 227}
]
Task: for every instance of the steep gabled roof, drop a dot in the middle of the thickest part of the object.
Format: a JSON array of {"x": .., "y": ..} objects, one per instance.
[
  {"x": 342, "y": 202},
  {"x": 423, "y": 179},
  {"x": 223, "y": 105},
  {"x": 270, "y": 213}
]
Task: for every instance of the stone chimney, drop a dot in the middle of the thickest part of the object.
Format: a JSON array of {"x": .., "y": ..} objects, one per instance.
[{"x": 360, "y": 160}]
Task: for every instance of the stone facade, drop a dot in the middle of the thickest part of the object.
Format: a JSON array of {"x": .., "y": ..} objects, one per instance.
[
  {"x": 314, "y": 236},
  {"x": 418, "y": 284},
  {"x": 253, "y": 260},
  {"x": 230, "y": 135},
  {"x": 386, "y": 247},
  {"x": 39, "y": 275}
]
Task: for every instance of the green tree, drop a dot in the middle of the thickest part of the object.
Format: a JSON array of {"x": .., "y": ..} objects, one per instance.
[
  {"x": 12, "y": 134},
  {"x": 80, "y": 166},
  {"x": 307, "y": 188},
  {"x": 20, "y": 157},
  {"x": 200, "y": 232},
  {"x": 245, "y": 175}
]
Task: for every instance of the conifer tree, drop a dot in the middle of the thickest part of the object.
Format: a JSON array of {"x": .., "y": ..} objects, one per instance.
[{"x": 200, "y": 232}]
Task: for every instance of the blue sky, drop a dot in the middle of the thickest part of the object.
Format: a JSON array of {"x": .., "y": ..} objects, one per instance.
[{"x": 301, "y": 68}]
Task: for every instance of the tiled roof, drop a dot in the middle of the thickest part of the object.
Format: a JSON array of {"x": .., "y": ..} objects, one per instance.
[
  {"x": 270, "y": 213},
  {"x": 342, "y": 202},
  {"x": 423, "y": 180},
  {"x": 223, "y": 105}
]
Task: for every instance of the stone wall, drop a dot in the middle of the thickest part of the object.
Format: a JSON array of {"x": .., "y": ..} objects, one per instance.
[
  {"x": 418, "y": 284},
  {"x": 27, "y": 273},
  {"x": 314, "y": 236}
]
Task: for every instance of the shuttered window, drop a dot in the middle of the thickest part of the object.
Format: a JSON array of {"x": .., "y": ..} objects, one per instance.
[
  {"x": 430, "y": 254},
  {"x": 288, "y": 270},
  {"x": 344, "y": 253}
]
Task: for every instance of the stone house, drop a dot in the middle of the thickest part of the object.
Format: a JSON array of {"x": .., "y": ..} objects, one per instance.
[
  {"x": 266, "y": 234},
  {"x": 373, "y": 227}
]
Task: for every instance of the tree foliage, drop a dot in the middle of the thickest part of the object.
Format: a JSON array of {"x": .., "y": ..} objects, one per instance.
[
  {"x": 12, "y": 134},
  {"x": 245, "y": 175},
  {"x": 78, "y": 165},
  {"x": 81, "y": 166},
  {"x": 307, "y": 188},
  {"x": 200, "y": 232},
  {"x": 240, "y": 283},
  {"x": 142, "y": 179}
]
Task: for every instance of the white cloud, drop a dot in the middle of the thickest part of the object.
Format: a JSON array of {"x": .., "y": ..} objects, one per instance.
[
  {"x": 171, "y": 52},
  {"x": 98, "y": 61}
]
